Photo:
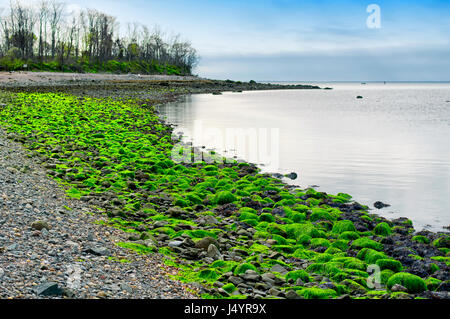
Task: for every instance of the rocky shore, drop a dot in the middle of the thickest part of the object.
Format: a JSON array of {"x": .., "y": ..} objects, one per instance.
[{"x": 227, "y": 228}]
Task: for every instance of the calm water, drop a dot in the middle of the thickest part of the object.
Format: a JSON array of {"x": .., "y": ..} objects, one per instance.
[{"x": 393, "y": 145}]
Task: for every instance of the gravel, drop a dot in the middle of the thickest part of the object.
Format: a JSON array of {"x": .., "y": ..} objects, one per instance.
[{"x": 55, "y": 247}]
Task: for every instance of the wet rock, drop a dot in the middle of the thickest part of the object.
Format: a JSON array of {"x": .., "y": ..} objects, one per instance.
[
  {"x": 292, "y": 176},
  {"x": 380, "y": 205}
]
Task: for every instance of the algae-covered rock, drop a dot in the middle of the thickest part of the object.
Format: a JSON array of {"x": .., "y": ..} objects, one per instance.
[
  {"x": 365, "y": 242},
  {"x": 391, "y": 264},
  {"x": 382, "y": 229},
  {"x": 342, "y": 226},
  {"x": 413, "y": 283}
]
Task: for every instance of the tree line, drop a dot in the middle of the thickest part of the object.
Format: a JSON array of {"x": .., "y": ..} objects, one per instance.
[{"x": 46, "y": 36}]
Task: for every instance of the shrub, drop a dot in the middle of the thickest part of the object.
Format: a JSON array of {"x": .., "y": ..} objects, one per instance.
[{"x": 413, "y": 283}]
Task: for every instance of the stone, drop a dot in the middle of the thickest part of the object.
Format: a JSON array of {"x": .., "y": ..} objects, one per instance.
[
  {"x": 48, "y": 289},
  {"x": 208, "y": 219},
  {"x": 398, "y": 288},
  {"x": 40, "y": 225},
  {"x": 275, "y": 292},
  {"x": 214, "y": 253},
  {"x": 175, "y": 243},
  {"x": 235, "y": 280},
  {"x": 379, "y": 205},
  {"x": 98, "y": 250},
  {"x": 279, "y": 268},
  {"x": 292, "y": 294},
  {"x": 251, "y": 275},
  {"x": 205, "y": 242}
]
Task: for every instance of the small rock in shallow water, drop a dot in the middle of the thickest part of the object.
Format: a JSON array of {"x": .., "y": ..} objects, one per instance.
[{"x": 380, "y": 205}]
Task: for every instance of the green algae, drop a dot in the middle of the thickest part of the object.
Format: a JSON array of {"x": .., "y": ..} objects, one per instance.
[
  {"x": 124, "y": 149},
  {"x": 413, "y": 283}
]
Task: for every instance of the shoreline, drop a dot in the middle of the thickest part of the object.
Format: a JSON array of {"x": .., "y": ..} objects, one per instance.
[{"x": 281, "y": 234}]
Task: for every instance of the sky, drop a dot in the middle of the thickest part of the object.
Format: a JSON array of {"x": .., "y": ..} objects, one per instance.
[{"x": 287, "y": 40}]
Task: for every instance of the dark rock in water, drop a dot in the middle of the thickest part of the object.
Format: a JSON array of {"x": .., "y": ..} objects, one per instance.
[
  {"x": 277, "y": 175},
  {"x": 48, "y": 289},
  {"x": 380, "y": 205},
  {"x": 359, "y": 97},
  {"x": 292, "y": 175},
  {"x": 327, "y": 88}
]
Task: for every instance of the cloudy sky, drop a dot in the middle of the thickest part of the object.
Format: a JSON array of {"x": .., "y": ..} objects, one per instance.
[{"x": 316, "y": 40}]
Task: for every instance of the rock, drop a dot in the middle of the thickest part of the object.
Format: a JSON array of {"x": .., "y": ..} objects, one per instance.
[
  {"x": 279, "y": 268},
  {"x": 292, "y": 176},
  {"x": 160, "y": 223},
  {"x": 251, "y": 275},
  {"x": 205, "y": 242},
  {"x": 214, "y": 253},
  {"x": 380, "y": 205},
  {"x": 40, "y": 225},
  {"x": 48, "y": 289},
  {"x": 359, "y": 97},
  {"x": 292, "y": 294},
  {"x": 97, "y": 250},
  {"x": 175, "y": 212},
  {"x": 175, "y": 243},
  {"x": 235, "y": 280},
  {"x": 398, "y": 288},
  {"x": 208, "y": 219},
  {"x": 275, "y": 292}
]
